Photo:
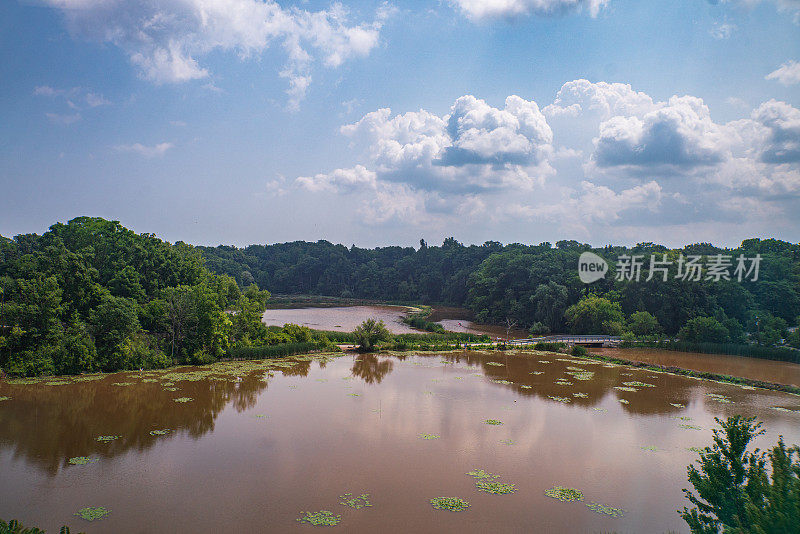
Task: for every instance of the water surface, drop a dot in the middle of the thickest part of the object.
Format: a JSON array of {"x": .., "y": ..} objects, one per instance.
[{"x": 249, "y": 455}]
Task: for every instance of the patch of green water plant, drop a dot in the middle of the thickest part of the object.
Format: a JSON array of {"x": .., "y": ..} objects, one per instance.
[
  {"x": 564, "y": 494},
  {"x": 536, "y": 373},
  {"x": 638, "y": 384},
  {"x": 650, "y": 448},
  {"x": 429, "y": 436},
  {"x": 691, "y": 427},
  {"x": 492, "y": 422},
  {"x": 323, "y": 518},
  {"x": 170, "y": 389},
  {"x": 453, "y": 504},
  {"x": 525, "y": 386},
  {"x": 502, "y": 382},
  {"x": 162, "y": 432},
  {"x": 358, "y": 502},
  {"x": 183, "y": 399},
  {"x": 565, "y": 400},
  {"x": 496, "y": 364},
  {"x": 603, "y": 410},
  {"x": 581, "y": 395},
  {"x": 122, "y": 384},
  {"x": 106, "y": 439},
  {"x": 626, "y": 388},
  {"x": 498, "y": 488},
  {"x": 623, "y": 401},
  {"x": 81, "y": 460},
  {"x": 4, "y": 399},
  {"x": 92, "y": 513},
  {"x": 507, "y": 441},
  {"x": 607, "y": 510},
  {"x": 719, "y": 398},
  {"x": 480, "y": 474},
  {"x": 677, "y": 405}
]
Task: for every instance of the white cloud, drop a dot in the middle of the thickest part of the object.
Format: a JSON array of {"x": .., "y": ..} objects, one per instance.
[
  {"x": 340, "y": 180},
  {"x": 787, "y": 74},
  {"x": 477, "y": 10},
  {"x": 678, "y": 135},
  {"x": 144, "y": 150},
  {"x": 63, "y": 119},
  {"x": 722, "y": 30},
  {"x": 601, "y": 98},
  {"x": 166, "y": 39}
]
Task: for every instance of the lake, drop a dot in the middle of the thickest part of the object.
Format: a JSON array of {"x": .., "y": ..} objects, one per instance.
[{"x": 250, "y": 445}]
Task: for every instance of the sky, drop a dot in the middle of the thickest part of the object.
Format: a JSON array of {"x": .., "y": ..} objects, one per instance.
[{"x": 382, "y": 123}]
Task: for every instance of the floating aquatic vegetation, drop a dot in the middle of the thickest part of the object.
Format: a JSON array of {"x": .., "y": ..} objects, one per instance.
[
  {"x": 581, "y": 375},
  {"x": 536, "y": 373},
  {"x": 146, "y": 380},
  {"x": 776, "y": 408},
  {"x": 743, "y": 386},
  {"x": 638, "y": 384},
  {"x": 496, "y": 364},
  {"x": 607, "y": 510},
  {"x": 580, "y": 395},
  {"x": 358, "y": 502},
  {"x": 322, "y": 379},
  {"x": 695, "y": 449},
  {"x": 564, "y": 494},
  {"x": 571, "y": 360},
  {"x": 545, "y": 361},
  {"x": 691, "y": 427},
  {"x": 623, "y": 401},
  {"x": 525, "y": 386},
  {"x": 429, "y": 436},
  {"x": 183, "y": 399},
  {"x": 92, "y": 513},
  {"x": 480, "y": 474},
  {"x": 649, "y": 448},
  {"x": 626, "y": 374},
  {"x": 599, "y": 409},
  {"x": 719, "y": 398},
  {"x": 682, "y": 418},
  {"x": 324, "y": 518},
  {"x": 459, "y": 377},
  {"x": 106, "y": 439},
  {"x": 167, "y": 384},
  {"x": 571, "y": 368},
  {"x": 492, "y": 422},
  {"x": 88, "y": 378},
  {"x": 626, "y": 388},
  {"x": 292, "y": 386},
  {"x": 162, "y": 432},
  {"x": 4, "y": 399},
  {"x": 81, "y": 460},
  {"x": 677, "y": 405},
  {"x": 454, "y": 504},
  {"x": 562, "y": 382},
  {"x": 502, "y": 382},
  {"x": 57, "y": 383},
  {"x": 122, "y": 384},
  {"x": 560, "y": 399},
  {"x": 507, "y": 441},
  {"x": 170, "y": 389},
  {"x": 354, "y": 394},
  {"x": 498, "y": 488},
  {"x": 261, "y": 415}
]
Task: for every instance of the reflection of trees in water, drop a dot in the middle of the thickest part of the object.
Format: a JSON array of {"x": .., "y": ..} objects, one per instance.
[
  {"x": 371, "y": 369},
  {"x": 300, "y": 368},
  {"x": 517, "y": 369},
  {"x": 47, "y": 425}
]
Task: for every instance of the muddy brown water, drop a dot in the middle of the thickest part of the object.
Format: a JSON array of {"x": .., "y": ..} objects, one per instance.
[
  {"x": 339, "y": 319},
  {"x": 250, "y": 455},
  {"x": 754, "y": 368}
]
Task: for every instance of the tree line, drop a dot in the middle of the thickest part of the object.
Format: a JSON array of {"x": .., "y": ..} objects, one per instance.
[
  {"x": 538, "y": 286},
  {"x": 91, "y": 295}
]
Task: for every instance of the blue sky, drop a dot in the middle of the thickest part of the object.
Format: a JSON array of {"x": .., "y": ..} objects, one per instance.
[{"x": 243, "y": 121}]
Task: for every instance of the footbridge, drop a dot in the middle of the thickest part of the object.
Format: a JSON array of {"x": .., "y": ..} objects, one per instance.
[{"x": 585, "y": 340}]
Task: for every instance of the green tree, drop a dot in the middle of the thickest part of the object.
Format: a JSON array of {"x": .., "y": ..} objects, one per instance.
[
  {"x": 732, "y": 490},
  {"x": 595, "y": 315},
  {"x": 642, "y": 323},
  {"x": 369, "y": 333},
  {"x": 704, "y": 330}
]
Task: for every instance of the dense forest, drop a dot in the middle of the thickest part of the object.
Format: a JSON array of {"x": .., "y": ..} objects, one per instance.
[
  {"x": 92, "y": 295},
  {"x": 538, "y": 286}
]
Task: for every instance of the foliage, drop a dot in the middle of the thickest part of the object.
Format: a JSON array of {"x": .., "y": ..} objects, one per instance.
[
  {"x": 323, "y": 518},
  {"x": 734, "y": 490},
  {"x": 642, "y": 323},
  {"x": 15, "y": 527},
  {"x": 454, "y": 504},
  {"x": 369, "y": 333},
  {"x": 704, "y": 329},
  {"x": 91, "y": 295},
  {"x": 595, "y": 315}
]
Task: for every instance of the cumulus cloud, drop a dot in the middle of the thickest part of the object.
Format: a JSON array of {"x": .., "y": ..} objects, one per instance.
[
  {"x": 166, "y": 39},
  {"x": 679, "y": 134},
  {"x": 475, "y": 147},
  {"x": 787, "y": 74},
  {"x": 602, "y": 98},
  {"x": 346, "y": 180},
  {"x": 478, "y": 10},
  {"x": 781, "y": 142},
  {"x": 144, "y": 150}
]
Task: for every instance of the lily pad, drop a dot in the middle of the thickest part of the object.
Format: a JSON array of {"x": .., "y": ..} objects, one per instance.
[
  {"x": 92, "y": 513},
  {"x": 106, "y": 439},
  {"x": 454, "y": 504},
  {"x": 183, "y": 399},
  {"x": 492, "y": 422},
  {"x": 358, "y": 502},
  {"x": 498, "y": 488},
  {"x": 323, "y": 518},
  {"x": 564, "y": 494},
  {"x": 607, "y": 510},
  {"x": 81, "y": 460}
]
